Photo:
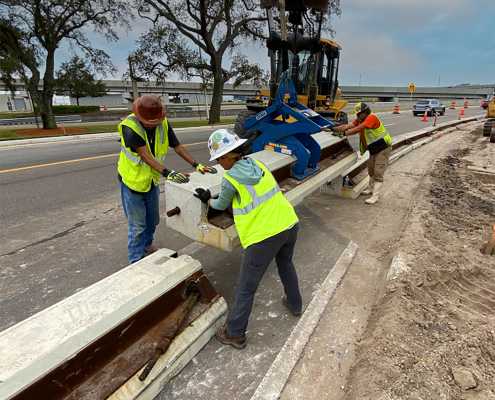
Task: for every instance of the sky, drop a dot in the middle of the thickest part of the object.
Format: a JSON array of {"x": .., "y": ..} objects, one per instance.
[{"x": 387, "y": 42}]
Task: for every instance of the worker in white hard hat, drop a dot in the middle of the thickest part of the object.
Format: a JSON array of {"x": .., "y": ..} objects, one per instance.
[
  {"x": 267, "y": 225},
  {"x": 374, "y": 137}
]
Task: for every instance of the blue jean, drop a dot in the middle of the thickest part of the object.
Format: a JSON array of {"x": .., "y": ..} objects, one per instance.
[
  {"x": 143, "y": 215},
  {"x": 256, "y": 260}
]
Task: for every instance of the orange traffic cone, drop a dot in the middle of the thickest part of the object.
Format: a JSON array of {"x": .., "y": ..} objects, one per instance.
[
  {"x": 453, "y": 105},
  {"x": 466, "y": 104},
  {"x": 461, "y": 113},
  {"x": 396, "y": 109},
  {"x": 425, "y": 116}
]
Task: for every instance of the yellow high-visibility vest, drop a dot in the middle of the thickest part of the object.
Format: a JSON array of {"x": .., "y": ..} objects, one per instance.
[
  {"x": 372, "y": 135},
  {"x": 260, "y": 211},
  {"x": 135, "y": 173}
]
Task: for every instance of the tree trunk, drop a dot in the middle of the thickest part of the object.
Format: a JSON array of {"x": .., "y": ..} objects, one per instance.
[
  {"x": 216, "y": 100},
  {"x": 46, "y": 110},
  {"x": 77, "y": 101}
]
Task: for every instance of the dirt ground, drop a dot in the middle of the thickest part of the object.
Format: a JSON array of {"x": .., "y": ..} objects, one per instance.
[{"x": 432, "y": 334}]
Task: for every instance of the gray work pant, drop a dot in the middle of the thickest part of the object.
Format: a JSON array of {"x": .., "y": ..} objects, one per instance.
[{"x": 256, "y": 260}]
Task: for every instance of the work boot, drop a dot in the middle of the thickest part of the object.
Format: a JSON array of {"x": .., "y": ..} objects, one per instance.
[
  {"x": 238, "y": 342},
  {"x": 369, "y": 189},
  {"x": 295, "y": 313},
  {"x": 376, "y": 194}
]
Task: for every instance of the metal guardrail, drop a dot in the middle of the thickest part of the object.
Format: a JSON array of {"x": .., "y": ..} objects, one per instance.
[{"x": 32, "y": 120}]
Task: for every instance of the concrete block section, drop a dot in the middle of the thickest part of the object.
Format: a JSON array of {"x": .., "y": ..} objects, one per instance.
[
  {"x": 38, "y": 345},
  {"x": 190, "y": 216},
  {"x": 299, "y": 193}
]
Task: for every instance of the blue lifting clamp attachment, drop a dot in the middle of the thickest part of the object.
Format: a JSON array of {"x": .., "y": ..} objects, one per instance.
[{"x": 291, "y": 124}]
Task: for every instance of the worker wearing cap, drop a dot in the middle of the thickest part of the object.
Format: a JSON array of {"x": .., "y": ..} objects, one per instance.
[
  {"x": 374, "y": 137},
  {"x": 145, "y": 137},
  {"x": 267, "y": 226}
]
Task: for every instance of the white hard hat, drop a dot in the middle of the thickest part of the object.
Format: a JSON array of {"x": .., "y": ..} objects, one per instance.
[{"x": 223, "y": 141}]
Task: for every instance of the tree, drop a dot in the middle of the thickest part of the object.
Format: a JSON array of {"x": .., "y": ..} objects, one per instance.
[
  {"x": 31, "y": 31},
  {"x": 191, "y": 37},
  {"x": 76, "y": 79}
]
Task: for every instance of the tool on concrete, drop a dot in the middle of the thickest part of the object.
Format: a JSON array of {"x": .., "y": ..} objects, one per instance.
[
  {"x": 489, "y": 247},
  {"x": 173, "y": 211}
]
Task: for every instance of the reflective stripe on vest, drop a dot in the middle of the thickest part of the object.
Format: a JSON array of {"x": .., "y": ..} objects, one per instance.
[
  {"x": 130, "y": 156},
  {"x": 258, "y": 217},
  {"x": 255, "y": 199}
]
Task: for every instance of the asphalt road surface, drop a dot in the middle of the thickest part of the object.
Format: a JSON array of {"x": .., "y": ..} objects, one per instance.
[{"x": 62, "y": 226}]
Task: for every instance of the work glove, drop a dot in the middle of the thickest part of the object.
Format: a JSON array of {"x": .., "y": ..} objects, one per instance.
[
  {"x": 203, "y": 169},
  {"x": 203, "y": 195},
  {"x": 174, "y": 176},
  {"x": 338, "y": 134}
]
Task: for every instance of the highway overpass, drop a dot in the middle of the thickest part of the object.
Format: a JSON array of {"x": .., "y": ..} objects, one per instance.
[{"x": 191, "y": 93}]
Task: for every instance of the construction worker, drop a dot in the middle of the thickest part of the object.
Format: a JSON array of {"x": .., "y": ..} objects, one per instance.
[
  {"x": 267, "y": 226},
  {"x": 145, "y": 137},
  {"x": 374, "y": 137}
]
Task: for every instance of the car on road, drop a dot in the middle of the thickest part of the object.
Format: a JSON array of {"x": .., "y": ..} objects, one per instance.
[{"x": 428, "y": 105}]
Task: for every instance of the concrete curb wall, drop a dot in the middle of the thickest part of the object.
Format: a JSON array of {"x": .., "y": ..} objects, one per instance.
[{"x": 411, "y": 136}]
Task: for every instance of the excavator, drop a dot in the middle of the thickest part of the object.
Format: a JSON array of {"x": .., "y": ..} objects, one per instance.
[
  {"x": 295, "y": 44},
  {"x": 303, "y": 86}
]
